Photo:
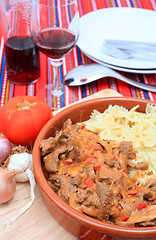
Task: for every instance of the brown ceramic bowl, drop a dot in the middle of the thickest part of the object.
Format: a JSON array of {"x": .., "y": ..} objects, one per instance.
[{"x": 82, "y": 226}]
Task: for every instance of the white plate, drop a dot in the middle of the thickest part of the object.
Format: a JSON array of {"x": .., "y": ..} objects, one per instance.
[
  {"x": 140, "y": 71},
  {"x": 132, "y": 24}
]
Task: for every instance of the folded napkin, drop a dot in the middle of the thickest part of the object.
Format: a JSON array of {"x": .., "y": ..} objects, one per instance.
[{"x": 124, "y": 49}]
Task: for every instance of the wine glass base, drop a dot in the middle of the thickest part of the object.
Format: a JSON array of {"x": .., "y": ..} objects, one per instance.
[{"x": 57, "y": 91}]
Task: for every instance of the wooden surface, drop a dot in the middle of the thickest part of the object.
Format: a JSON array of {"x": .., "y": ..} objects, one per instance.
[{"x": 36, "y": 223}]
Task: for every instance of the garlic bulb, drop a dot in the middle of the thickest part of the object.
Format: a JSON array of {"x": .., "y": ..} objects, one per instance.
[{"x": 21, "y": 162}]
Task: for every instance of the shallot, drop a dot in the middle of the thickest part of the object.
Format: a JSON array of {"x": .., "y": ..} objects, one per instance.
[
  {"x": 7, "y": 185},
  {"x": 5, "y": 148},
  {"x": 22, "y": 163}
]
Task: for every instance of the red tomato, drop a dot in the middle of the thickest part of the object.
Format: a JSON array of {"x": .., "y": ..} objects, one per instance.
[{"x": 22, "y": 117}]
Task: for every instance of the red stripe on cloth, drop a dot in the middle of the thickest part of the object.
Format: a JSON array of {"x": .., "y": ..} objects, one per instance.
[
  {"x": 146, "y": 4},
  {"x": 42, "y": 82},
  {"x": 124, "y": 89},
  {"x": 102, "y": 84},
  {"x": 86, "y": 6},
  {"x": 101, "y": 4},
  {"x": 19, "y": 90}
]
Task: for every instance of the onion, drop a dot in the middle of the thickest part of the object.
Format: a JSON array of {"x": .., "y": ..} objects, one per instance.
[
  {"x": 5, "y": 148},
  {"x": 7, "y": 185}
]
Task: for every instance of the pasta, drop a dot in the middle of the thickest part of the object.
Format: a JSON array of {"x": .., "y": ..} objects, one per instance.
[{"x": 117, "y": 124}]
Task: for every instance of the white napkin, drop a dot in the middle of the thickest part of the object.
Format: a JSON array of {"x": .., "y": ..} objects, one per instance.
[{"x": 124, "y": 49}]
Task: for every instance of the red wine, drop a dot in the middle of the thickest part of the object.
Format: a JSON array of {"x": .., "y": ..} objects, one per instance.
[
  {"x": 55, "y": 42},
  {"x": 22, "y": 60}
]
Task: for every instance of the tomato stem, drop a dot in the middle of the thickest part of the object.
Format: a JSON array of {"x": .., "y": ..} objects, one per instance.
[{"x": 25, "y": 105}]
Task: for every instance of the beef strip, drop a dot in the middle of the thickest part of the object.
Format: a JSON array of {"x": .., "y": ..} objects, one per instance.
[
  {"x": 63, "y": 185},
  {"x": 108, "y": 175},
  {"x": 87, "y": 197},
  {"x": 106, "y": 196},
  {"x": 127, "y": 149},
  {"x": 77, "y": 180},
  {"x": 92, "y": 200},
  {"x": 90, "y": 171},
  {"x": 74, "y": 153},
  {"x": 82, "y": 195},
  {"x": 66, "y": 189},
  {"x": 51, "y": 160},
  {"x": 55, "y": 181},
  {"x": 139, "y": 165},
  {"x": 120, "y": 162},
  {"x": 47, "y": 145}
]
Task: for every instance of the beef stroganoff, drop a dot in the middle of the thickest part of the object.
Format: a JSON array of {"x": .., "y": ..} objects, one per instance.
[{"x": 105, "y": 166}]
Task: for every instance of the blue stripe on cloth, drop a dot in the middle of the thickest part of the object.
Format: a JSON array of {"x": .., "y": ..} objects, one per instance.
[
  {"x": 79, "y": 55},
  {"x": 146, "y": 94},
  {"x": 61, "y": 78},
  {"x": 116, "y": 3},
  {"x": 94, "y": 87},
  {"x": 133, "y": 92},
  {"x": 2, "y": 74},
  {"x": 69, "y": 13},
  {"x": 11, "y": 90},
  {"x": 131, "y": 3},
  {"x": 83, "y": 91},
  {"x": 57, "y": 20}
]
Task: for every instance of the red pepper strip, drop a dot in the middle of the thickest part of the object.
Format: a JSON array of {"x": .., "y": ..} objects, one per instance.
[
  {"x": 134, "y": 191},
  {"x": 141, "y": 206},
  {"x": 90, "y": 159},
  {"x": 97, "y": 147},
  {"x": 89, "y": 182},
  {"x": 69, "y": 160},
  {"x": 97, "y": 167},
  {"x": 125, "y": 218}
]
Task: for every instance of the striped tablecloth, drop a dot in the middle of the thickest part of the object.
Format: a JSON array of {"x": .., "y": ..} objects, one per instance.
[{"x": 42, "y": 88}]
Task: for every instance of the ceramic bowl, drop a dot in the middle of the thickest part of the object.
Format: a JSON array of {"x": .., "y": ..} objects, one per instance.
[{"x": 81, "y": 225}]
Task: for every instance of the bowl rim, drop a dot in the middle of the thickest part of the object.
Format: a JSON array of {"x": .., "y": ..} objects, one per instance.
[{"x": 62, "y": 205}]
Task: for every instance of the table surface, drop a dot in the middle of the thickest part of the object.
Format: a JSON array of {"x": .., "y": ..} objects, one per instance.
[
  {"x": 37, "y": 223},
  {"x": 73, "y": 59}
]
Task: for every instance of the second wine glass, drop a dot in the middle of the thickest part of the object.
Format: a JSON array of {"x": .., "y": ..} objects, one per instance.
[{"x": 55, "y": 31}]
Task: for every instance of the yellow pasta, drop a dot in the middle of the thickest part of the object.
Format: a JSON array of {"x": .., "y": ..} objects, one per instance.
[{"x": 143, "y": 134}]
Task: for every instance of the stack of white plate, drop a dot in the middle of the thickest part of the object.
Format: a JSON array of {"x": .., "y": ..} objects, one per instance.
[{"x": 100, "y": 30}]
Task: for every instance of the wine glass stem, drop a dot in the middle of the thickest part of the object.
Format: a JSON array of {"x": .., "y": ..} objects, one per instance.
[{"x": 57, "y": 86}]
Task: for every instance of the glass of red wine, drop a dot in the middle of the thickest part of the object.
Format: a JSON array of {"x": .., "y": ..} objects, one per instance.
[{"x": 55, "y": 31}]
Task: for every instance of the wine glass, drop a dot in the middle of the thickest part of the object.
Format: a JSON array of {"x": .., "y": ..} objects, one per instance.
[{"x": 55, "y": 31}]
